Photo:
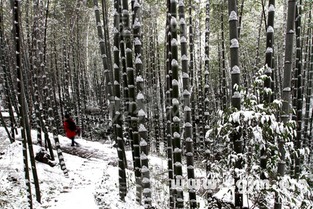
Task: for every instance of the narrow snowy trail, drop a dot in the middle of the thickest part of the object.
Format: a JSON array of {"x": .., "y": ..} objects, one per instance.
[
  {"x": 79, "y": 198},
  {"x": 85, "y": 172}
]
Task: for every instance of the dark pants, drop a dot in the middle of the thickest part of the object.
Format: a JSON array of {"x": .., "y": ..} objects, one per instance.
[{"x": 73, "y": 141}]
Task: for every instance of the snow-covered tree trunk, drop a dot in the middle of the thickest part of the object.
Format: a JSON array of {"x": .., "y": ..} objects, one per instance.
[
  {"x": 223, "y": 62},
  {"x": 192, "y": 70},
  {"x": 310, "y": 143},
  {"x": 105, "y": 19},
  {"x": 141, "y": 108},
  {"x": 307, "y": 80},
  {"x": 160, "y": 84},
  {"x": 189, "y": 146},
  {"x": 6, "y": 86},
  {"x": 299, "y": 88},
  {"x": 176, "y": 133},
  {"x": 117, "y": 112},
  {"x": 269, "y": 61},
  {"x": 131, "y": 76},
  {"x": 286, "y": 94},
  {"x": 198, "y": 86},
  {"x": 309, "y": 85},
  {"x": 168, "y": 106},
  {"x": 35, "y": 65},
  {"x": 207, "y": 94},
  {"x": 24, "y": 122},
  {"x": 144, "y": 146},
  {"x": 235, "y": 99},
  {"x": 240, "y": 17},
  {"x": 102, "y": 41},
  {"x": 59, "y": 110},
  {"x": 66, "y": 78},
  {"x": 124, "y": 33}
]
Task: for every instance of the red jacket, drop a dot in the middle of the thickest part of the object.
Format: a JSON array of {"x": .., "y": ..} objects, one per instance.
[{"x": 69, "y": 133}]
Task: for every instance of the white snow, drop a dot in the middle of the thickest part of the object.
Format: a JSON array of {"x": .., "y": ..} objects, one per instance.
[
  {"x": 270, "y": 29},
  {"x": 234, "y": 43},
  {"x": 137, "y": 23},
  {"x": 174, "y": 63},
  {"x": 235, "y": 70},
  {"x": 96, "y": 176},
  {"x": 269, "y": 50},
  {"x": 271, "y": 8},
  {"x": 233, "y": 16}
]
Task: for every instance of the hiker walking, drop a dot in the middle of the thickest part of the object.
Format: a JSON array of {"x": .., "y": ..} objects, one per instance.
[{"x": 70, "y": 128}]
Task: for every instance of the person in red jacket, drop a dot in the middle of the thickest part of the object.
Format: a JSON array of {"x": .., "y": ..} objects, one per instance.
[{"x": 70, "y": 128}]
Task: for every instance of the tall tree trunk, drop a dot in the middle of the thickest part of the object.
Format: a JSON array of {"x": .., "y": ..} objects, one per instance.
[
  {"x": 177, "y": 151},
  {"x": 117, "y": 113},
  {"x": 286, "y": 94},
  {"x": 309, "y": 84},
  {"x": 240, "y": 17},
  {"x": 141, "y": 108},
  {"x": 5, "y": 79},
  {"x": 310, "y": 143},
  {"x": 207, "y": 95},
  {"x": 308, "y": 81},
  {"x": 187, "y": 110},
  {"x": 223, "y": 61},
  {"x": 299, "y": 87},
  {"x": 235, "y": 77},
  {"x": 21, "y": 99},
  {"x": 36, "y": 70},
  {"x": 131, "y": 76},
  {"x": 269, "y": 65},
  {"x": 269, "y": 62},
  {"x": 168, "y": 106},
  {"x": 102, "y": 41},
  {"x": 106, "y": 34}
]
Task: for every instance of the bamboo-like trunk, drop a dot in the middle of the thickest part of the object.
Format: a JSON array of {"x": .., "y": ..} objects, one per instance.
[
  {"x": 5, "y": 79},
  {"x": 141, "y": 108},
  {"x": 286, "y": 94},
  {"x": 131, "y": 75},
  {"x": 108, "y": 83},
  {"x": 307, "y": 81},
  {"x": 207, "y": 96},
  {"x": 168, "y": 91},
  {"x": 22, "y": 105},
  {"x": 308, "y": 129},
  {"x": 189, "y": 146},
  {"x": 176, "y": 133},
  {"x": 299, "y": 94},
  {"x": 117, "y": 112},
  {"x": 223, "y": 61},
  {"x": 107, "y": 35},
  {"x": 240, "y": 17},
  {"x": 235, "y": 99},
  {"x": 36, "y": 71},
  {"x": 269, "y": 61}
]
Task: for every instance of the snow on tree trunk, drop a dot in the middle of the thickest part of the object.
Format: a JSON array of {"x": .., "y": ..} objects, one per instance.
[
  {"x": 117, "y": 114},
  {"x": 189, "y": 146},
  {"x": 235, "y": 99},
  {"x": 286, "y": 94}
]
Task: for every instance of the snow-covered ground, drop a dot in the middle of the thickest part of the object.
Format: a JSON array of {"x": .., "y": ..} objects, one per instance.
[
  {"x": 94, "y": 176},
  {"x": 58, "y": 192}
]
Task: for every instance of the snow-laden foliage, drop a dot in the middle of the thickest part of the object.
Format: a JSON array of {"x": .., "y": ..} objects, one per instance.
[{"x": 259, "y": 128}]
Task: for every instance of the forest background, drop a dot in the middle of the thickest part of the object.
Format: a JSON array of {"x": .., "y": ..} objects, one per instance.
[{"x": 210, "y": 84}]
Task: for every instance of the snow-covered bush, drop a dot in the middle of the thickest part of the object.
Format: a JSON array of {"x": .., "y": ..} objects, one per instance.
[{"x": 258, "y": 128}]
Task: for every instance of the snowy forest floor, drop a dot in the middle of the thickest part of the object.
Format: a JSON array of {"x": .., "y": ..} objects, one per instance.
[{"x": 93, "y": 178}]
